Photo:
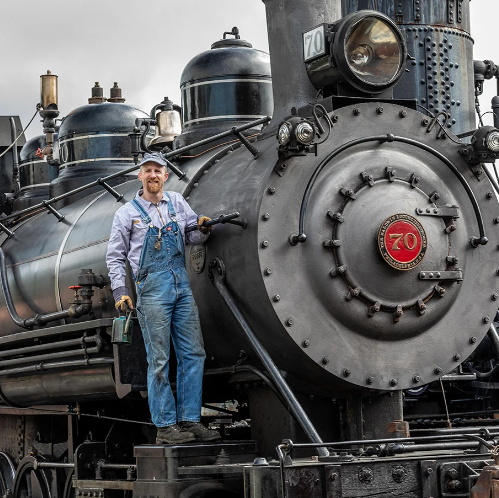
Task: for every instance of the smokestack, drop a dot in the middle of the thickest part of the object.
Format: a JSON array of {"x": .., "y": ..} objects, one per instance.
[{"x": 286, "y": 21}]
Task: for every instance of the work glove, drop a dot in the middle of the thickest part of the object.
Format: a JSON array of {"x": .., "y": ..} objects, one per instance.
[
  {"x": 124, "y": 304},
  {"x": 201, "y": 220}
]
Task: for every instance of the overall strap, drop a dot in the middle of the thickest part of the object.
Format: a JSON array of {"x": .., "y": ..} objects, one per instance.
[
  {"x": 145, "y": 217},
  {"x": 171, "y": 209}
]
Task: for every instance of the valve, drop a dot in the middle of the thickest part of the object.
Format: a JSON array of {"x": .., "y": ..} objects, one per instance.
[{"x": 76, "y": 288}]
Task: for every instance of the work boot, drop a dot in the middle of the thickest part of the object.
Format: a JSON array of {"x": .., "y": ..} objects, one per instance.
[
  {"x": 201, "y": 433},
  {"x": 173, "y": 434}
]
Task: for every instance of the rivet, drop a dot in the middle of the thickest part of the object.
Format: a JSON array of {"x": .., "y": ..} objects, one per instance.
[
  {"x": 266, "y": 216},
  {"x": 438, "y": 370},
  {"x": 289, "y": 322},
  {"x": 276, "y": 298},
  {"x": 325, "y": 360},
  {"x": 346, "y": 372},
  {"x": 393, "y": 382},
  {"x": 486, "y": 319},
  {"x": 457, "y": 357},
  {"x": 416, "y": 379},
  {"x": 265, "y": 243},
  {"x": 473, "y": 340},
  {"x": 495, "y": 296},
  {"x": 356, "y": 111},
  {"x": 271, "y": 190},
  {"x": 422, "y": 274},
  {"x": 430, "y": 275},
  {"x": 305, "y": 343},
  {"x": 370, "y": 380}
]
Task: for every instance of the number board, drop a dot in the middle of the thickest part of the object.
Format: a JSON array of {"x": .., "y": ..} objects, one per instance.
[
  {"x": 402, "y": 241},
  {"x": 314, "y": 43}
]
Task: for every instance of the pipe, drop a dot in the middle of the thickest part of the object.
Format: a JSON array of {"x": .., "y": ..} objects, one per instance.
[
  {"x": 286, "y": 21},
  {"x": 41, "y": 367},
  {"x": 45, "y": 347},
  {"x": 292, "y": 403},
  {"x": 74, "y": 311},
  {"x": 15, "y": 160},
  {"x": 50, "y": 356},
  {"x": 494, "y": 338}
]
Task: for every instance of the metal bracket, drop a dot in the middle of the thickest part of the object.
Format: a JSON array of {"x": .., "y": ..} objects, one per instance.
[
  {"x": 441, "y": 212},
  {"x": 442, "y": 275},
  {"x": 336, "y": 216},
  {"x": 332, "y": 243},
  {"x": 375, "y": 308},
  {"x": 398, "y": 314},
  {"x": 56, "y": 213},
  {"x": 110, "y": 189},
  {"x": 414, "y": 180},
  {"x": 348, "y": 193},
  {"x": 3, "y": 228},
  {"x": 366, "y": 178},
  {"x": 338, "y": 271},
  {"x": 353, "y": 293},
  {"x": 390, "y": 174},
  {"x": 256, "y": 153},
  {"x": 434, "y": 196}
]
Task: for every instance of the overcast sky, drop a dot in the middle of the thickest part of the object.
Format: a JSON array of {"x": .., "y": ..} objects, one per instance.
[{"x": 144, "y": 46}]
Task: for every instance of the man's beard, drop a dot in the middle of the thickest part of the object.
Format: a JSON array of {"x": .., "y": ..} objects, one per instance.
[{"x": 153, "y": 188}]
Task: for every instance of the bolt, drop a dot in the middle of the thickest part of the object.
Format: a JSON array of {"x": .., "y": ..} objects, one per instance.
[
  {"x": 429, "y": 471},
  {"x": 265, "y": 243},
  {"x": 266, "y": 216},
  {"x": 486, "y": 319},
  {"x": 496, "y": 220},
  {"x": 334, "y": 476},
  {"x": 346, "y": 372},
  {"x": 276, "y": 298},
  {"x": 334, "y": 118},
  {"x": 356, "y": 111},
  {"x": 425, "y": 122},
  {"x": 380, "y": 110},
  {"x": 452, "y": 473},
  {"x": 370, "y": 380},
  {"x": 473, "y": 340},
  {"x": 289, "y": 322},
  {"x": 457, "y": 357},
  {"x": 490, "y": 195},
  {"x": 267, "y": 271},
  {"x": 282, "y": 167},
  {"x": 393, "y": 382},
  {"x": 271, "y": 190},
  {"x": 416, "y": 379},
  {"x": 438, "y": 370},
  {"x": 403, "y": 114},
  {"x": 495, "y": 296},
  {"x": 305, "y": 343},
  {"x": 325, "y": 360}
]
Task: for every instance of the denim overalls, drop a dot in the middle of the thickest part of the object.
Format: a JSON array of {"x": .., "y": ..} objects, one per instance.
[{"x": 166, "y": 306}]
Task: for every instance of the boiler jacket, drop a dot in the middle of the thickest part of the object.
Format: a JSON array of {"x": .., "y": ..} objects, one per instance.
[{"x": 165, "y": 305}]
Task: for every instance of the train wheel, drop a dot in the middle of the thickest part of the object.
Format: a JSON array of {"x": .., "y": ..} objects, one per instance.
[
  {"x": 30, "y": 482},
  {"x": 7, "y": 474}
]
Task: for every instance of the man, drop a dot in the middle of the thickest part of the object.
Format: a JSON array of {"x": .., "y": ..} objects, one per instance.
[{"x": 149, "y": 231}]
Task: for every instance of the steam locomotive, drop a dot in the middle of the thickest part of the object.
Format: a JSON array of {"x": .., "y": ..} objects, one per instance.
[{"x": 348, "y": 291}]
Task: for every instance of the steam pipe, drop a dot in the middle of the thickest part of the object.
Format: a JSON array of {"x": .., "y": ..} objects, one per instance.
[
  {"x": 15, "y": 161},
  {"x": 217, "y": 276},
  {"x": 74, "y": 311}
]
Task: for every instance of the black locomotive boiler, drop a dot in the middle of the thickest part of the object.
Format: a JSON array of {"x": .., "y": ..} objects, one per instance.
[{"x": 348, "y": 300}]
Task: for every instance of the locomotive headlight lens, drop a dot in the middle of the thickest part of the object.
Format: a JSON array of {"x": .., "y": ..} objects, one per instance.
[
  {"x": 284, "y": 133},
  {"x": 492, "y": 141},
  {"x": 373, "y": 51},
  {"x": 304, "y": 132},
  {"x": 365, "y": 51}
]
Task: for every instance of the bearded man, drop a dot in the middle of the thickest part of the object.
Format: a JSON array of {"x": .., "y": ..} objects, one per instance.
[{"x": 150, "y": 231}]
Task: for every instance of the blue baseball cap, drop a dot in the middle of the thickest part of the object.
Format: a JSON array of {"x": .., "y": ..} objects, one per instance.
[{"x": 155, "y": 157}]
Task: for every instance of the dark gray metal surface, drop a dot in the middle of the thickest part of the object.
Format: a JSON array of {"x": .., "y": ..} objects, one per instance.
[{"x": 437, "y": 34}]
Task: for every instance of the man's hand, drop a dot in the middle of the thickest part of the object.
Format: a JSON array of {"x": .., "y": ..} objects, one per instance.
[
  {"x": 124, "y": 304},
  {"x": 201, "y": 228}
]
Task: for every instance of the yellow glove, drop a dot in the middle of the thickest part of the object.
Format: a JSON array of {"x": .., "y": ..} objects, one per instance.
[
  {"x": 124, "y": 304},
  {"x": 202, "y": 229}
]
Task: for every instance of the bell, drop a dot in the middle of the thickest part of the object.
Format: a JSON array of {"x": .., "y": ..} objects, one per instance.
[{"x": 168, "y": 126}]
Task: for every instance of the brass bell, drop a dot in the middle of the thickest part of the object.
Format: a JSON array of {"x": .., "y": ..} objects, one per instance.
[{"x": 168, "y": 124}]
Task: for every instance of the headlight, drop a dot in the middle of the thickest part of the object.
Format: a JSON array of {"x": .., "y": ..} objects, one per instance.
[
  {"x": 492, "y": 141},
  {"x": 367, "y": 53},
  {"x": 304, "y": 132},
  {"x": 284, "y": 133}
]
